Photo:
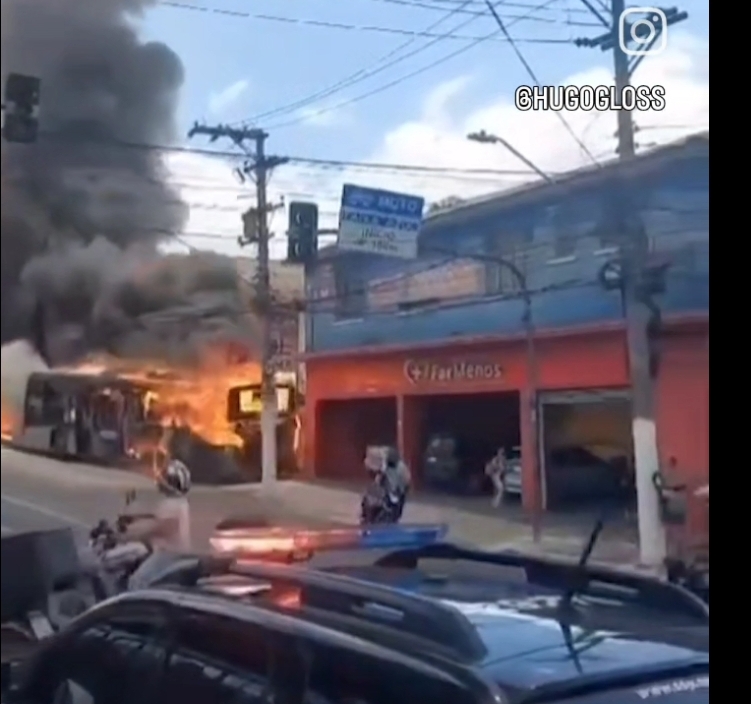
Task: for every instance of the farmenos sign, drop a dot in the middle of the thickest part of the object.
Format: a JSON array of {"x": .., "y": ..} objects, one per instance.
[{"x": 420, "y": 371}]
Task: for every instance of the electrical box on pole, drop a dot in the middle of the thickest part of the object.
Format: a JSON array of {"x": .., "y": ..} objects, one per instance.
[
  {"x": 302, "y": 235},
  {"x": 21, "y": 107}
]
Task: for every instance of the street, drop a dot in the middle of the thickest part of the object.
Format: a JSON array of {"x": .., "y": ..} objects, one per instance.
[{"x": 38, "y": 492}]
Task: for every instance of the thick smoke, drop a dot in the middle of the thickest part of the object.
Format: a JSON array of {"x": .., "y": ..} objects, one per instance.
[{"x": 81, "y": 217}]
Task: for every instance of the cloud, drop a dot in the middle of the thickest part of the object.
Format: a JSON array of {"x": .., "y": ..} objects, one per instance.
[
  {"x": 221, "y": 101},
  {"x": 318, "y": 116},
  {"x": 436, "y": 137}
]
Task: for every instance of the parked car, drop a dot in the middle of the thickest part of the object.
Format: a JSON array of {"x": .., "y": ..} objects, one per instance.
[
  {"x": 512, "y": 481},
  {"x": 575, "y": 474}
]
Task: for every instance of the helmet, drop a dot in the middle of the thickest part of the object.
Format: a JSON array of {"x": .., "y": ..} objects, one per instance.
[
  {"x": 392, "y": 457},
  {"x": 174, "y": 479}
]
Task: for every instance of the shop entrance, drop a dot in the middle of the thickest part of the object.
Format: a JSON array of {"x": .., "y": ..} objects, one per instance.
[
  {"x": 347, "y": 428},
  {"x": 587, "y": 450},
  {"x": 460, "y": 433}
]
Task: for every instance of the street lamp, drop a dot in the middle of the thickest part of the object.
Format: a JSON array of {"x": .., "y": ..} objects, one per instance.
[
  {"x": 484, "y": 137},
  {"x": 532, "y": 368}
]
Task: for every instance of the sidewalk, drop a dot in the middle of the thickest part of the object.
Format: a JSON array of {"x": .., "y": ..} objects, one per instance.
[{"x": 467, "y": 524}]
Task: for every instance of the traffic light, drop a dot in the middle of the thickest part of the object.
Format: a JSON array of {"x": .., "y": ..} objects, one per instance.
[
  {"x": 302, "y": 237},
  {"x": 21, "y": 106}
]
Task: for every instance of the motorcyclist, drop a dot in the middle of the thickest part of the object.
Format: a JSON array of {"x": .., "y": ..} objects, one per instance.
[
  {"x": 168, "y": 531},
  {"x": 397, "y": 477},
  {"x": 393, "y": 479}
]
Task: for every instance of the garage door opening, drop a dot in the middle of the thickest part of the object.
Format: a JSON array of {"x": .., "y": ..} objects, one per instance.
[
  {"x": 587, "y": 450},
  {"x": 461, "y": 433},
  {"x": 346, "y": 428}
]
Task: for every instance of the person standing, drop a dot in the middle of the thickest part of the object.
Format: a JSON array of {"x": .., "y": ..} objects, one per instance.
[{"x": 495, "y": 470}]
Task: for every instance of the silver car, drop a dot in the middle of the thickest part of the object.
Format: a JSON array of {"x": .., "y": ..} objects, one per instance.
[{"x": 512, "y": 481}]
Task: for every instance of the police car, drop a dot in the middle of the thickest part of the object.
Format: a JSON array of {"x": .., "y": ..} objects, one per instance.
[{"x": 422, "y": 622}]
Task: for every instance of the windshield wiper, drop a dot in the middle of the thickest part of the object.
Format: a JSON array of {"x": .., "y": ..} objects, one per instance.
[{"x": 580, "y": 575}]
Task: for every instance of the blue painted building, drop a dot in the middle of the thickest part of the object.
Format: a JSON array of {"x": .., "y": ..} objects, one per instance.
[
  {"x": 390, "y": 342},
  {"x": 559, "y": 236}
]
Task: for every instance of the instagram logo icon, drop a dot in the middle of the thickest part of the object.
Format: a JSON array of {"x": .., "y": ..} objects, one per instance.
[{"x": 642, "y": 31}]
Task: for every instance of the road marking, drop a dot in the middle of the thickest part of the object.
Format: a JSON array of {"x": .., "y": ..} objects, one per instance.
[{"x": 36, "y": 508}]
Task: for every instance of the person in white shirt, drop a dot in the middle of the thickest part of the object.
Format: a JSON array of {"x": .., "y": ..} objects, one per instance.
[
  {"x": 168, "y": 532},
  {"x": 495, "y": 470}
]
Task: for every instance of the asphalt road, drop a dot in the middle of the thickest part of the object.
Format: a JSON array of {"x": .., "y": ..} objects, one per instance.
[{"x": 38, "y": 492}]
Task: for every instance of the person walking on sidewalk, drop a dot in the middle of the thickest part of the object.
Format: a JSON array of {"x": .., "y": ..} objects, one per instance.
[{"x": 495, "y": 470}]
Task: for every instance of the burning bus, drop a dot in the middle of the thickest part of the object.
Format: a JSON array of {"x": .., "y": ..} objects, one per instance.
[{"x": 111, "y": 413}]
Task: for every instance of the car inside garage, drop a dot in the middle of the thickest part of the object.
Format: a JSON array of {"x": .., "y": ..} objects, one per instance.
[
  {"x": 587, "y": 449},
  {"x": 461, "y": 433}
]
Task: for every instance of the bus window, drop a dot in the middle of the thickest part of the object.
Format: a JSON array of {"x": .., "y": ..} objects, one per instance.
[
  {"x": 44, "y": 405},
  {"x": 34, "y": 408}
]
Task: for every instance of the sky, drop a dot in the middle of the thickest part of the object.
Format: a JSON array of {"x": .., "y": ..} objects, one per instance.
[{"x": 399, "y": 82}]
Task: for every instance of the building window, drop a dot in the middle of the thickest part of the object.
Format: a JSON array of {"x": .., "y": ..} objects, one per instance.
[{"x": 351, "y": 297}]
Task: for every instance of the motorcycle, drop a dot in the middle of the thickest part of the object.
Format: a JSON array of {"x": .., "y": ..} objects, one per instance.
[
  {"x": 115, "y": 560},
  {"x": 379, "y": 506}
]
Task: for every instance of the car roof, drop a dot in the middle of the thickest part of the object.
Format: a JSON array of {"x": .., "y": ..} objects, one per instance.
[
  {"x": 530, "y": 640},
  {"x": 520, "y": 634}
]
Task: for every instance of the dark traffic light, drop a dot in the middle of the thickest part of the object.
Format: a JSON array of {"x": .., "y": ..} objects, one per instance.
[
  {"x": 302, "y": 236},
  {"x": 21, "y": 106}
]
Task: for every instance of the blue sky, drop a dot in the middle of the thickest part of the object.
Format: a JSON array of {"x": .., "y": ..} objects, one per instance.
[
  {"x": 239, "y": 67},
  {"x": 282, "y": 63}
]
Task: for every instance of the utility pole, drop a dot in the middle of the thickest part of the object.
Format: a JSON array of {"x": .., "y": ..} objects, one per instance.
[
  {"x": 256, "y": 231},
  {"x": 640, "y": 308},
  {"x": 634, "y": 247}
]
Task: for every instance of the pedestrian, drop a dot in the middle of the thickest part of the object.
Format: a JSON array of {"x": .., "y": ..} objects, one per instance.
[{"x": 495, "y": 470}]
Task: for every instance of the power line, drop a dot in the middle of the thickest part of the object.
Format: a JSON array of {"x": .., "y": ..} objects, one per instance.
[
  {"x": 350, "y": 27},
  {"x": 524, "y": 5},
  {"x": 482, "y": 13},
  {"x": 533, "y": 76},
  {"x": 332, "y": 163},
  {"x": 373, "y": 69},
  {"x": 403, "y": 78},
  {"x": 392, "y": 58}
]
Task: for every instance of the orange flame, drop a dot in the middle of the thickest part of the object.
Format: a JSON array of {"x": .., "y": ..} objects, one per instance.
[
  {"x": 10, "y": 421},
  {"x": 193, "y": 397}
]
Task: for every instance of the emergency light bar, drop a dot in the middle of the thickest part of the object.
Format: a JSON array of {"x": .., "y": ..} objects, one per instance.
[{"x": 292, "y": 544}]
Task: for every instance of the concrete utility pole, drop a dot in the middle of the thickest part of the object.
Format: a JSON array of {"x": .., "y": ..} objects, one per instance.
[
  {"x": 634, "y": 248},
  {"x": 634, "y": 265},
  {"x": 256, "y": 231}
]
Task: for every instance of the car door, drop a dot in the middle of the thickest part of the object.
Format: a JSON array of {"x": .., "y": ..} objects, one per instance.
[
  {"x": 216, "y": 659},
  {"x": 116, "y": 656}
]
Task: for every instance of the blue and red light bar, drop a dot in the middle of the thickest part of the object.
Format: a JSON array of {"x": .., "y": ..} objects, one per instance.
[{"x": 261, "y": 543}]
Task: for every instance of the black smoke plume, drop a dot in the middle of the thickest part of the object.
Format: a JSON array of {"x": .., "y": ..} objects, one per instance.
[{"x": 81, "y": 216}]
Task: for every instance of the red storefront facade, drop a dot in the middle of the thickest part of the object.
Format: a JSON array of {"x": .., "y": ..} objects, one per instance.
[{"x": 570, "y": 360}]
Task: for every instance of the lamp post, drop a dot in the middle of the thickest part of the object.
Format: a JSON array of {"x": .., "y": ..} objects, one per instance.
[
  {"x": 532, "y": 371},
  {"x": 484, "y": 137}
]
